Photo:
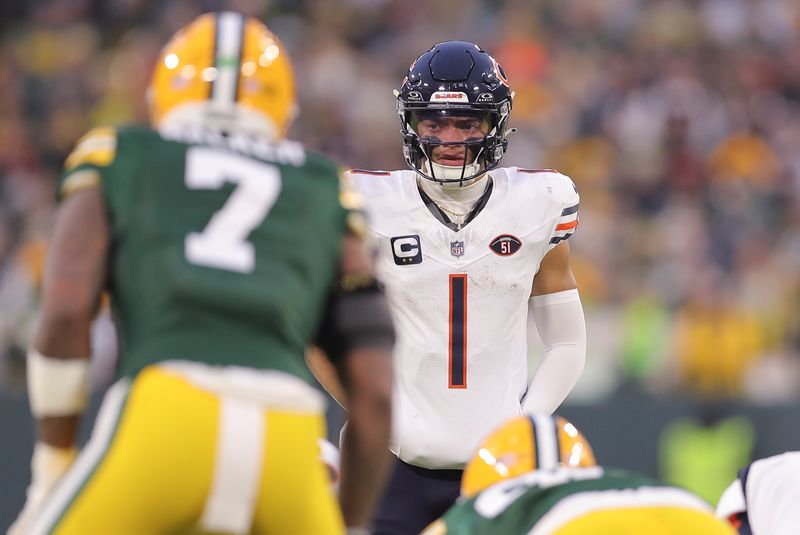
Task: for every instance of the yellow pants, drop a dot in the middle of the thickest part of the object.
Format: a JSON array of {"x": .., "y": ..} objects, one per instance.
[
  {"x": 646, "y": 521},
  {"x": 167, "y": 456}
]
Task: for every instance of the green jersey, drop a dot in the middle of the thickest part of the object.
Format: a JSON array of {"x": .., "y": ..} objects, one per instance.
[
  {"x": 223, "y": 248},
  {"x": 522, "y": 505}
]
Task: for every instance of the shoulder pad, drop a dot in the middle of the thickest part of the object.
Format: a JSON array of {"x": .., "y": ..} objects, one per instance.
[
  {"x": 349, "y": 197},
  {"x": 552, "y": 184},
  {"x": 352, "y": 201},
  {"x": 558, "y": 186},
  {"x": 368, "y": 172},
  {"x": 562, "y": 190},
  {"x": 531, "y": 171},
  {"x": 374, "y": 185},
  {"x": 98, "y": 147},
  {"x": 565, "y": 189}
]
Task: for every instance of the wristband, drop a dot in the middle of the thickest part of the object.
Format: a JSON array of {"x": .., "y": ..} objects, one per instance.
[{"x": 57, "y": 387}]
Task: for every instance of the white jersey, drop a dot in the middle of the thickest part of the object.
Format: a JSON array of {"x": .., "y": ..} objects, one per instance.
[
  {"x": 768, "y": 491},
  {"x": 459, "y": 300}
]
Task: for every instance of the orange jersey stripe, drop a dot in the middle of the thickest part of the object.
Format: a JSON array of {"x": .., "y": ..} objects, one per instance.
[{"x": 565, "y": 226}]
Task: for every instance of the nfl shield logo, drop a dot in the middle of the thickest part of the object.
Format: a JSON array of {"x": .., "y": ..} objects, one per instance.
[{"x": 457, "y": 248}]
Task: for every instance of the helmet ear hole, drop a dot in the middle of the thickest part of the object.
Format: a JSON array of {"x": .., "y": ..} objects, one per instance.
[
  {"x": 411, "y": 139},
  {"x": 412, "y": 150}
]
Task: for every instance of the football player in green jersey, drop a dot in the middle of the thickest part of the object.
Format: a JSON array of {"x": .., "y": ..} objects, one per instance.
[
  {"x": 226, "y": 250},
  {"x": 537, "y": 475}
]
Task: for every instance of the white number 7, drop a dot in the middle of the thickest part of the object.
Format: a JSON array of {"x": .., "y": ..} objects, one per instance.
[{"x": 223, "y": 243}]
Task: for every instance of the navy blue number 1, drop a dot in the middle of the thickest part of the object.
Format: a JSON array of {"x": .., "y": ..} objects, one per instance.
[{"x": 458, "y": 331}]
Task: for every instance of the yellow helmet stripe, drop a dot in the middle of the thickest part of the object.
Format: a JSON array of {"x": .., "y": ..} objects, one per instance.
[
  {"x": 547, "y": 455},
  {"x": 227, "y": 58}
]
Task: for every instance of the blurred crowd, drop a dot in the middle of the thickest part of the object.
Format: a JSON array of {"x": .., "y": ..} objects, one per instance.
[{"x": 679, "y": 121}]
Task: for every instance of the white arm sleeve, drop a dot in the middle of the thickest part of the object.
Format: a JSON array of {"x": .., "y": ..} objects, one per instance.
[{"x": 562, "y": 328}]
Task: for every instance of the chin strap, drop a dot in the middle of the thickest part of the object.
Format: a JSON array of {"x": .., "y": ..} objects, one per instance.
[{"x": 452, "y": 173}]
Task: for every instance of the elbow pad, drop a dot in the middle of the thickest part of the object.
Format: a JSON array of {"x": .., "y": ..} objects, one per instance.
[{"x": 356, "y": 316}]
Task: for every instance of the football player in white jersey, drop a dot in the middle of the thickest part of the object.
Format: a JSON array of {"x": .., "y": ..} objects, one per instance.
[
  {"x": 763, "y": 499},
  {"x": 466, "y": 249}
]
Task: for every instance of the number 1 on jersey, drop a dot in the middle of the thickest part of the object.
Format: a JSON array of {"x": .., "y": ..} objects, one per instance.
[{"x": 458, "y": 331}]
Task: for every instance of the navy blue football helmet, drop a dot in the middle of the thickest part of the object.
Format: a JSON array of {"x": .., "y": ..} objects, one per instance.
[{"x": 455, "y": 78}]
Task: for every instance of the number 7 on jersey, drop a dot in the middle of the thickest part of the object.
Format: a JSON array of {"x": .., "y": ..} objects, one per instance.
[
  {"x": 223, "y": 242},
  {"x": 457, "y": 376}
]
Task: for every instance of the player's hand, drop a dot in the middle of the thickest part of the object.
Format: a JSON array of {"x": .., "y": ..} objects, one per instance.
[{"x": 47, "y": 466}]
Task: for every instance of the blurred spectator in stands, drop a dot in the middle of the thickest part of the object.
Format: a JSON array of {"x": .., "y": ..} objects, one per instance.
[
  {"x": 678, "y": 120},
  {"x": 701, "y": 454}
]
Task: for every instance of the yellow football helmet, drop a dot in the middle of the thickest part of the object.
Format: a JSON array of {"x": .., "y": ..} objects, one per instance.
[
  {"x": 525, "y": 443},
  {"x": 224, "y": 71}
]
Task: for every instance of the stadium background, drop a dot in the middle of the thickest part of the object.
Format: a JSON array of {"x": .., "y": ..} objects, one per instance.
[{"x": 679, "y": 120}]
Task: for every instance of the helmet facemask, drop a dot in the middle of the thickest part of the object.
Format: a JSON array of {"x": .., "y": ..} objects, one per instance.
[{"x": 481, "y": 154}]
